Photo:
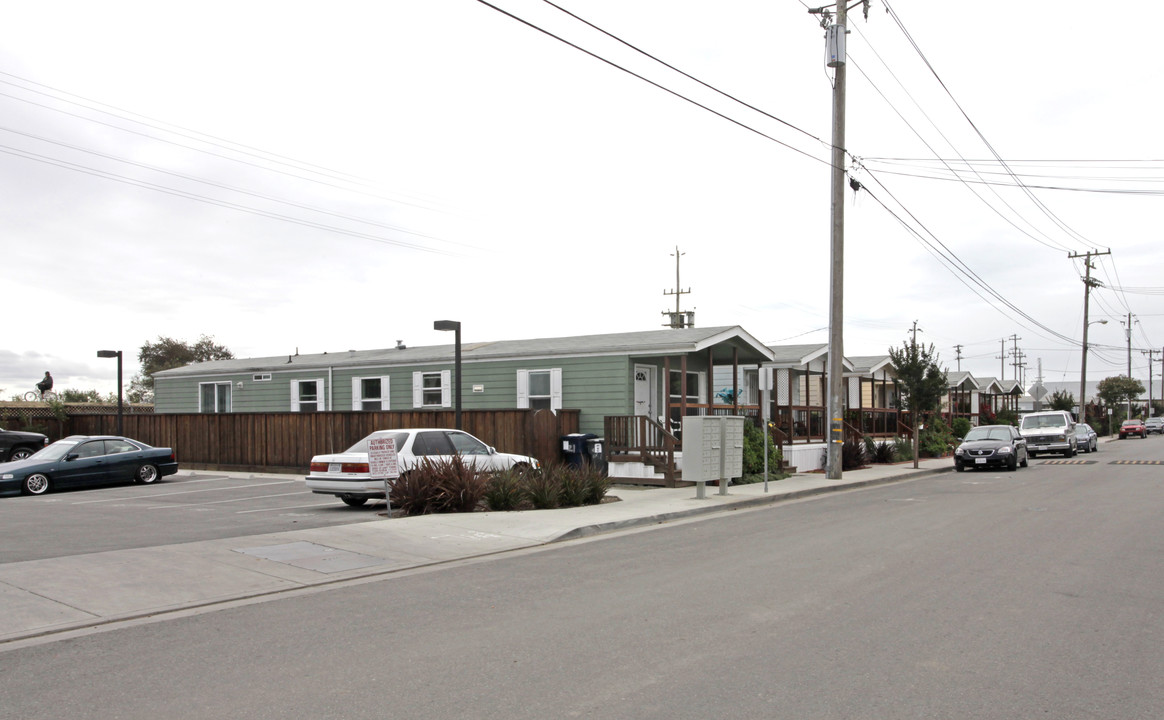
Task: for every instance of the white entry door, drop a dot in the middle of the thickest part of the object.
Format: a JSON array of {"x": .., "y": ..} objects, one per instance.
[{"x": 645, "y": 392}]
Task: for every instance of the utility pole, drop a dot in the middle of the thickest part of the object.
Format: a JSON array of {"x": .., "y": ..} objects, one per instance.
[
  {"x": 1150, "y": 354},
  {"x": 1088, "y": 283},
  {"x": 915, "y": 331},
  {"x": 835, "y": 46},
  {"x": 958, "y": 356},
  {"x": 1002, "y": 356},
  {"x": 1039, "y": 384},
  {"x": 1128, "y": 331},
  {"x": 1018, "y": 356},
  {"x": 678, "y": 319}
]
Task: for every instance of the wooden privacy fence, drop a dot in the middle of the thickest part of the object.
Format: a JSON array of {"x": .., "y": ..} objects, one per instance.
[{"x": 289, "y": 440}]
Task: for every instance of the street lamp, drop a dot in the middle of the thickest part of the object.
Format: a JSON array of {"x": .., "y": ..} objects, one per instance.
[
  {"x": 455, "y": 326},
  {"x": 1083, "y": 372},
  {"x": 115, "y": 354}
]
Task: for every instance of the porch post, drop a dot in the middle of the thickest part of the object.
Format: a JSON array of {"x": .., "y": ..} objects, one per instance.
[
  {"x": 682, "y": 389},
  {"x": 667, "y": 393},
  {"x": 735, "y": 381}
]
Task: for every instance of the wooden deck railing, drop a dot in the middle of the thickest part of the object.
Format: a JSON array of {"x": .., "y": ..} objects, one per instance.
[{"x": 638, "y": 438}]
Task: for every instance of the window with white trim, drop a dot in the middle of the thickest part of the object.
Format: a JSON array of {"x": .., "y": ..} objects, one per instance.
[
  {"x": 432, "y": 389},
  {"x": 214, "y": 397},
  {"x": 539, "y": 389},
  {"x": 370, "y": 393},
  {"x": 693, "y": 388},
  {"x": 307, "y": 396},
  {"x": 261, "y": 377}
]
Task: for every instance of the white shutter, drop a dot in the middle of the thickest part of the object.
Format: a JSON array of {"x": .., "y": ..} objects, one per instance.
[
  {"x": 556, "y": 389},
  {"x": 417, "y": 389},
  {"x": 356, "y": 398},
  {"x": 523, "y": 389},
  {"x": 446, "y": 388},
  {"x": 385, "y": 403},
  {"x": 294, "y": 396}
]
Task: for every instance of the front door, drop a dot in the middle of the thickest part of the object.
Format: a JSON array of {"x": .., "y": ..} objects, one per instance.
[{"x": 645, "y": 392}]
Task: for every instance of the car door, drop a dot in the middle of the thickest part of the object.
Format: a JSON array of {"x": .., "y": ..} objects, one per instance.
[
  {"x": 433, "y": 445},
  {"x": 84, "y": 465},
  {"x": 122, "y": 459},
  {"x": 474, "y": 451},
  {"x": 1020, "y": 444}
]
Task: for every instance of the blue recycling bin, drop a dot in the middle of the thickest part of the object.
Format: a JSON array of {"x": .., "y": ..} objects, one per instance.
[{"x": 574, "y": 450}]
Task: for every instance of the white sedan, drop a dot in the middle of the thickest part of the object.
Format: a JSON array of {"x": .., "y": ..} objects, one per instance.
[{"x": 346, "y": 475}]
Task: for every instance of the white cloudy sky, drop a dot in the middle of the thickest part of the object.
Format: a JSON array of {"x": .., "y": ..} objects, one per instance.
[{"x": 290, "y": 175}]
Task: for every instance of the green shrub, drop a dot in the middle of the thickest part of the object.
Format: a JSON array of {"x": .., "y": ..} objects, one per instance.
[
  {"x": 754, "y": 451},
  {"x": 960, "y": 427},
  {"x": 414, "y": 492},
  {"x": 880, "y": 452},
  {"x": 460, "y": 486},
  {"x": 936, "y": 439},
  {"x": 573, "y": 485},
  {"x": 903, "y": 447},
  {"x": 505, "y": 491},
  {"x": 1006, "y": 417},
  {"x": 597, "y": 485},
  {"x": 543, "y": 487}
]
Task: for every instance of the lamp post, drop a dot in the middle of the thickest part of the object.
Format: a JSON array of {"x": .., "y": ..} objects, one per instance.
[
  {"x": 116, "y": 354},
  {"x": 455, "y": 326}
]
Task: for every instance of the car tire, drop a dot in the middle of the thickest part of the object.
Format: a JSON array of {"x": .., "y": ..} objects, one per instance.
[
  {"x": 19, "y": 453},
  {"x": 36, "y": 484},
  {"x": 1025, "y": 461},
  {"x": 146, "y": 474},
  {"x": 353, "y": 500},
  {"x": 1012, "y": 464},
  {"x": 959, "y": 467},
  {"x": 1094, "y": 446}
]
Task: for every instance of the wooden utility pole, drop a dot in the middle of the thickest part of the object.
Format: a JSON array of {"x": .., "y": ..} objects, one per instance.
[
  {"x": 1088, "y": 283},
  {"x": 677, "y": 318}
]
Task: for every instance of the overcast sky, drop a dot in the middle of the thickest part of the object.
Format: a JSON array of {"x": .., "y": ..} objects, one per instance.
[{"x": 319, "y": 177}]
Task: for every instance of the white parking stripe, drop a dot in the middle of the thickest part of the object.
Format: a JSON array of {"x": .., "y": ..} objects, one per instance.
[
  {"x": 293, "y": 507},
  {"x": 184, "y": 492},
  {"x": 232, "y": 500}
]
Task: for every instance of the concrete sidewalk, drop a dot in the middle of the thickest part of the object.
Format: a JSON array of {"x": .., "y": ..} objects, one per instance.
[{"x": 45, "y": 598}]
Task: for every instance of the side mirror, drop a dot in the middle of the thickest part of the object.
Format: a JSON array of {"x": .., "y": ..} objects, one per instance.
[
  {"x": 492, "y": 450},
  {"x": 71, "y": 457}
]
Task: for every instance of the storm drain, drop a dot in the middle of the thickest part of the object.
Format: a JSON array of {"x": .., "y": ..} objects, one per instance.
[
  {"x": 310, "y": 556},
  {"x": 1136, "y": 462}
]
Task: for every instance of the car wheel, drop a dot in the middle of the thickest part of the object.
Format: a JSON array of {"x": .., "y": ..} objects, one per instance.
[
  {"x": 959, "y": 467},
  {"x": 19, "y": 454},
  {"x": 146, "y": 474},
  {"x": 353, "y": 500},
  {"x": 1095, "y": 446},
  {"x": 1025, "y": 461},
  {"x": 36, "y": 484},
  {"x": 1012, "y": 464}
]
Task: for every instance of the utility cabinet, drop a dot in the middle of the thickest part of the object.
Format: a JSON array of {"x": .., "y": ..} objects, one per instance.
[{"x": 713, "y": 447}]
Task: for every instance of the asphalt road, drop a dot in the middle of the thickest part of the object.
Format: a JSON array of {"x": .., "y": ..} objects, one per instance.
[
  {"x": 180, "y": 508},
  {"x": 978, "y": 595}
]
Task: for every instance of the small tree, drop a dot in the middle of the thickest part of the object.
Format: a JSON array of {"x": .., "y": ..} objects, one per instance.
[
  {"x": 922, "y": 381},
  {"x": 1119, "y": 389},
  {"x": 1063, "y": 400},
  {"x": 168, "y": 353}
]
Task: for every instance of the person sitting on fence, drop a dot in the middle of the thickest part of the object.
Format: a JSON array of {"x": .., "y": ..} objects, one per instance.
[{"x": 46, "y": 384}]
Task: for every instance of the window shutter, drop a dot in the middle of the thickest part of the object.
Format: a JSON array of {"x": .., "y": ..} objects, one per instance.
[
  {"x": 417, "y": 389},
  {"x": 523, "y": 389},
  {"x": 556, "y": 389},
  {"x": 357, "y": 398},
  {"x": 294, "y": 396},
  {"x": 385, "y": 403},
  {"x": 446, "y": 388}
]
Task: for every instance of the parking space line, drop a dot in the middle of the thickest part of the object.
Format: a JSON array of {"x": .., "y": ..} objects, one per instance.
[
  {"x": 293, "y": 507},
  {"x": 184, "y": 492},
  {"x": 231, "y": 500}
]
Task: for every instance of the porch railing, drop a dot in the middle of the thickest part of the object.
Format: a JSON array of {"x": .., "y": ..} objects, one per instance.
[{"x": 640, "y": 439}]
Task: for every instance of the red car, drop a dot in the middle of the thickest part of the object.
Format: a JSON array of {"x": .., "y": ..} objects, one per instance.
[{"x": 1133, "y": 427}]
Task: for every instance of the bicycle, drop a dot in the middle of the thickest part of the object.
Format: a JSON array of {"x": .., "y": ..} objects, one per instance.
[{"x": 35, "y": 395}]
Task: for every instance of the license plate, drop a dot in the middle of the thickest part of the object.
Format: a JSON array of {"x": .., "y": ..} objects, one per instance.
[
  {"x": 980, "y": 461},
  {"x": 334, "y": 467}
]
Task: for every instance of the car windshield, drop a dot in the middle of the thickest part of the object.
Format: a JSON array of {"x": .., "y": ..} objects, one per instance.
[
  {"x": 1129, "y": 423},
  {"x": 987, "y": 433},
  {"x": 1034, "y": 422},
  {"x": 362, "y": 445},
  {"x": 56, "y": 451}
]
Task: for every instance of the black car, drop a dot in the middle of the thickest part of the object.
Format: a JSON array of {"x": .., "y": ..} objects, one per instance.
[
  {"x": 992, "y": 446},
  {"x": 17, "y": 445},
  {"x": 87, "y": 460}
]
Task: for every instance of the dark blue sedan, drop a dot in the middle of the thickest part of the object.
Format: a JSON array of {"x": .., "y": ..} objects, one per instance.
[{"x": 86, "y": 460}]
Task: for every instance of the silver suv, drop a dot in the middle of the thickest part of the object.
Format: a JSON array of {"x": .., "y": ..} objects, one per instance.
[
  {"x": 1154, "y": 425},
  {"x": 1049, "y": 432}
]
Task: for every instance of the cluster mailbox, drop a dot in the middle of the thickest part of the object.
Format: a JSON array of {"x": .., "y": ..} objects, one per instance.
[{"x": 713, "y": 449}]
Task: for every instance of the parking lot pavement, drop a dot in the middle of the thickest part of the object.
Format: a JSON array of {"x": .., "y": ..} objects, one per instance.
[{"x": 186, "y": 507}]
